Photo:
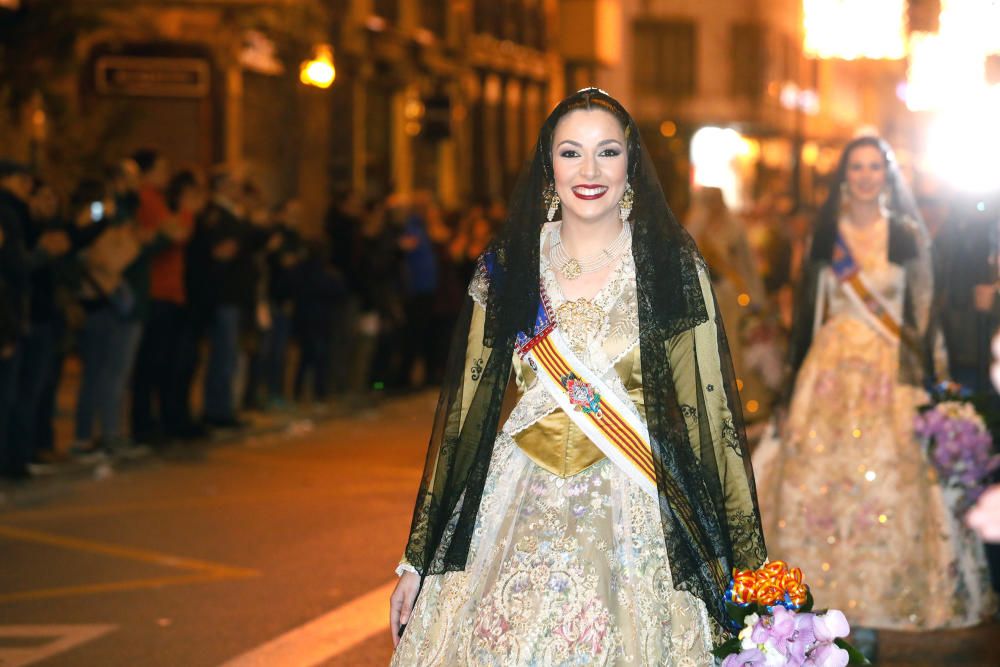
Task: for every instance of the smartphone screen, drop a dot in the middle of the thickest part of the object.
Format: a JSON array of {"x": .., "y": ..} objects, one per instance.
[{"x": 96, "y": 211}]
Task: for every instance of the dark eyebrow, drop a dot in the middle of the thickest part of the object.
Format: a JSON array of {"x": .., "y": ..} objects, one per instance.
[{"x": 579, "y": 145}]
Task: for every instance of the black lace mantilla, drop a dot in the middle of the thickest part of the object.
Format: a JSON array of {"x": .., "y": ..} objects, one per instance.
[{"x": 704, "y": 536}]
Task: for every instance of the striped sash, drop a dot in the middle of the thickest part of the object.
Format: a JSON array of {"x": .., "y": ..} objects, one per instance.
[
  {"x": 593, "y": 406},
  {"x": 867, "y": 300}
]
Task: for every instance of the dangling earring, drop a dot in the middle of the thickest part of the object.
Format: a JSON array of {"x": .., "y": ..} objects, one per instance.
[
  {"x": 625, "y": 205},
  {"x": 844, "y": 195},
  {"x": 883, "y": 202},
  {"x": 552, "y": 201}
]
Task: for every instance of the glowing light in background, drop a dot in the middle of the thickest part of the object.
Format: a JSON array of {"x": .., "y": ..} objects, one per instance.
[
  {"x": 963, "y": 146},
  {"x": 853, "y": 29},
  {"x": 716, "y": 154},
  {"x": 947, "y": 75},
  {"x": 319, "y": 71}
]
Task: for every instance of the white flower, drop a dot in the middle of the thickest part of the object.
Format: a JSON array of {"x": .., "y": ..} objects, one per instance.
[
  {"x": 773, "y": 657},
  {"x": 748, "y": 623}
]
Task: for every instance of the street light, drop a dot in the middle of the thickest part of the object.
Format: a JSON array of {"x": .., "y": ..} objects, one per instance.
[{"x": 319, "y": 71}]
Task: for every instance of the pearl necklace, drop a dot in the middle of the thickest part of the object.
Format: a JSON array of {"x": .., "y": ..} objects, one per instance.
[{"x": 572, "y": 268}]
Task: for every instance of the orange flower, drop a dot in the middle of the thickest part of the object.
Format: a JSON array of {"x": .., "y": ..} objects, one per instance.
[
  {"x": 769, "y": 585},
  {"x": 769, "y": 594},
  {"x": 744, "y": 583},
  {"x": 775, "y": 568},
  {"x": 798, "y": 594}
]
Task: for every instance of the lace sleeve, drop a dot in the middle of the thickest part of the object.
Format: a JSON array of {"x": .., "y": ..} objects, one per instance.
[
  {"x": 450, "y": 458},
  {"x": 713, "y": 418}
]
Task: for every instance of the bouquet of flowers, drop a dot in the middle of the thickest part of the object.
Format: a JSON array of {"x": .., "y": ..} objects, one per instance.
[
  {"x": 772, "y": 609},
  {"x": 958, "y": 444}
]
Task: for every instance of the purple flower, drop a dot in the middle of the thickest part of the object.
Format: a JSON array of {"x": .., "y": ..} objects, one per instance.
[
  {"x": 827, "y": 655},
  {"x": 778, "y": 627},
  {"x": 831, "y": 625},
  {"x": 803, "y": 638},
  {"x": 752, "y": 657}
]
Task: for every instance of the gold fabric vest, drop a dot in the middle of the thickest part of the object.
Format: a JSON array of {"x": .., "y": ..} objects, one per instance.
[{"x": 554, "y": 442}]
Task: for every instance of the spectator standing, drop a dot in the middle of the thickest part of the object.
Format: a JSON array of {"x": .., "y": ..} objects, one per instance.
[
  {"x": 420, "y": 282},
  {"x": 256, "y": 338},
  {"x": 283, "y": 261},
  {"x": 15, "y": 186},
  {"x": 342, "y": 225},
  {"x": 381, "y": 308},
  {"x": 319, "y": 291},
  {"x": 161, "y": 285},
  {"x": 47, "y": 243},
  {"x": 110, "y": 335},
  {"x": 222, "y": 274},
  {"x": 167, "y": 353}
]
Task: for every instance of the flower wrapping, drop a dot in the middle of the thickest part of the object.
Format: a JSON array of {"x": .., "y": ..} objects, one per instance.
[
  {"x": 771, "y": 608},
  {"x": 958, "y": 444}
]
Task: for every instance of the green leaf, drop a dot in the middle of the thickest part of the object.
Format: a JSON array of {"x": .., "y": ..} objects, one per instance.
[
  {"x": 808, "y": 604},
  {"x": 727, "y": 648},
  {"x": 738, "y": 613},
  {"x": 856, "y": 657}
]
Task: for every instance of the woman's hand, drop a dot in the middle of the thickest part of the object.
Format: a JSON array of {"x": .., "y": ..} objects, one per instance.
[
  {"x": 984, "y": 517},
  {"x": 401, "y": 602}
]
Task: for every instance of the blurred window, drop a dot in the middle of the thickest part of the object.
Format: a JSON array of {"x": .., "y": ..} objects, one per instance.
[
  {"x": 387, "y": 9},
  {"x": 434, "y": 17},
  {"x": 924, "y": 15},
  {"x": 748, "y": 60},
  {"x": 534, "y": 24},
  {"x": 666, "y": 57},
  {"x": 488, "y": 17}
]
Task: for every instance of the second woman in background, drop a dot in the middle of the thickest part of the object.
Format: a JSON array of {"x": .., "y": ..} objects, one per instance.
[{"x": 848, "y": 495}]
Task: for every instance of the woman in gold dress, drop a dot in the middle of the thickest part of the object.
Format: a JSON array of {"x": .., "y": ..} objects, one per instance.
[
  {"x": 846, "y": 492},
  {"x": 598, "y": 521}
]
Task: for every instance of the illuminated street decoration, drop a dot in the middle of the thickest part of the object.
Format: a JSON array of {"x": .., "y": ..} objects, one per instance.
[
  {"x": 319, "y": 71},
  {"x": 854, "y": 29},
  {"x": 717, "y": 159},
  {"x": 948, "y": 76},
  {"x": 949, "y": 68}
]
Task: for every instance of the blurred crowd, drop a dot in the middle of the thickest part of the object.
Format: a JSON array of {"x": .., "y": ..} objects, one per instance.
[{"x": 188, "y": 300}]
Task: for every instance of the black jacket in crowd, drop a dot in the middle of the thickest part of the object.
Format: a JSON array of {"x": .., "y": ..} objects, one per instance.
[{"x": 211, "y": 282}]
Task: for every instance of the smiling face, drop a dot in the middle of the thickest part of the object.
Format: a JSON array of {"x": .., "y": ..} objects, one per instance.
[
  {"x": 866, "y": 173},
  {"x": 589, "y": 165}
]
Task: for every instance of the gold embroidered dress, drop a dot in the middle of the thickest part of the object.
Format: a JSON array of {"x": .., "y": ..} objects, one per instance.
[
  {"x": 567, "y": 564},
  {"x": 847, "y": 494}
]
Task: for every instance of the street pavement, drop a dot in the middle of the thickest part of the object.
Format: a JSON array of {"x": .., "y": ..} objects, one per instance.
[{"x": 273, "y": 549}]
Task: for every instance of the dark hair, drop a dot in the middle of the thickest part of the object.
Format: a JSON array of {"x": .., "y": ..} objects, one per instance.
[
  {"x": 901, "y": 202},
  {"x": 12, "y": 167},
  {"x": 180, "y": 182},
  {"x": 591, "y": 99},
  {"x": 218, "y": 179},
  {"x": 145, "y": 159}
]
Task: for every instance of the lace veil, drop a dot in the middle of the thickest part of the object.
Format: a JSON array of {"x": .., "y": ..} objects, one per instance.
[
  {"x": 707, "y": 501},
  {"x": 909, "y": 247}
]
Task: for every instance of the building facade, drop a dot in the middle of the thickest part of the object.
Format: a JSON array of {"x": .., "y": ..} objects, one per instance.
[
  {"x": 739, "y": 66},
  {"x": 438, "y": 96}
]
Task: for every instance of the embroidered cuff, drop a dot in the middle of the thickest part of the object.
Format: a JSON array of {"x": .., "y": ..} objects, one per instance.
[{"x": 405, "y": 567}]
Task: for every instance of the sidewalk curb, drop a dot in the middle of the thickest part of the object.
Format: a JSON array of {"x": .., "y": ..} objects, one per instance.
[{"x": 43, "y": 488}]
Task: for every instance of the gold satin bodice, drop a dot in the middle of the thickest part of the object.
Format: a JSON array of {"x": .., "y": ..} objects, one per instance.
[
  {"x": 602, "y": 331},
  {"x": 554, "y": 442}
]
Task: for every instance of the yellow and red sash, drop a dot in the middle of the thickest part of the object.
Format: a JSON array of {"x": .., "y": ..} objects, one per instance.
[
  {"x": 867, "y": 300},
  {"x": 613, "y": 426}
]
